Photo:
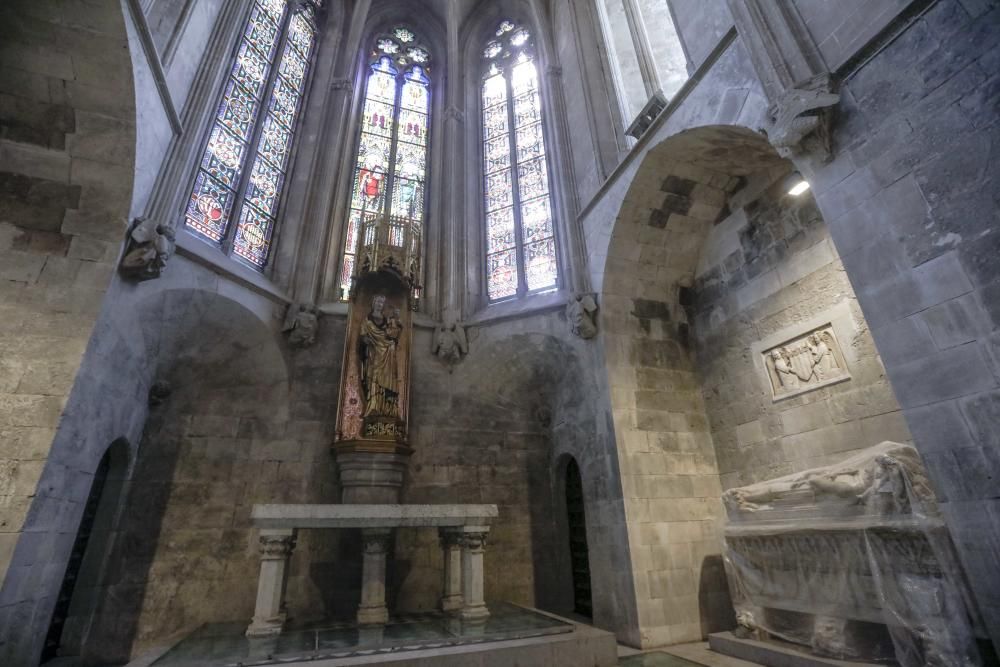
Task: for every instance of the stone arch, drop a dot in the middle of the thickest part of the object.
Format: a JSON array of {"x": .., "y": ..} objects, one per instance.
[
  {"x": 208, "y": 400},
  {"x": 68, "y": 140},
  {"x": 675, "y": 428}
]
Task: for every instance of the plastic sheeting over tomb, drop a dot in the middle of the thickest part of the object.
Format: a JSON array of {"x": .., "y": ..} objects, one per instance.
[{"x": 852, "y": 560}]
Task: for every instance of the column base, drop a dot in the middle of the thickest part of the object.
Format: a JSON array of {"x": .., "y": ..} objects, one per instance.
[
  {"x": 373, "y": 616},
  {"x": 475, "y": 614},
  {"x": 452, "y": 603},
  {"x": 268, "y": 627}
]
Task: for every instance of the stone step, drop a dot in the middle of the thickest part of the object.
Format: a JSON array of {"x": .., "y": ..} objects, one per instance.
[{"x": 773, "y": 654}]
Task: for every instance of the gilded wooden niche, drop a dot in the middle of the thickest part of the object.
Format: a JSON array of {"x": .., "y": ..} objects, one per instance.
[{"x": 374, "y": 399}]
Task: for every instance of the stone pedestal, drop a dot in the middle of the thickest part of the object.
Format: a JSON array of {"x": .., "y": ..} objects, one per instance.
[
  {"x": 276, "y": 545},
  {"x": 473, "y": 542},
  {"x": 372, "y": 610},
  {"x": 451, "y": 587},
  {"x": 370, "y": 477}
]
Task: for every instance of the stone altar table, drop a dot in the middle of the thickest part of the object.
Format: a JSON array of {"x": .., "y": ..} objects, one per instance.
[{"x": 462, "y": 528}]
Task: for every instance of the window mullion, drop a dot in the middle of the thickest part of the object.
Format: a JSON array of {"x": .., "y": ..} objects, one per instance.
[
  {"x": 522, "y": 280},
  {"x": 247, "y": 166},
  {"x": 390, "y": 172}
]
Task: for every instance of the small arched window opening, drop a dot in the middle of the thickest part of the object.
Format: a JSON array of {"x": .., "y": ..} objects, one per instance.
[
  {"x": 520, "y": 236},
  {"x": 391, "y": 164},
  {"x": 245, "y": 163},
  {"x": 82, "y": 587},
  {"x": 579, "y": 553}
]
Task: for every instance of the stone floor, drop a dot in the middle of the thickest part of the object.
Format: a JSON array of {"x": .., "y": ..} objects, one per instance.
[
  {"x": 224, "y": 644},
  {"x": 696, "y": 654}
]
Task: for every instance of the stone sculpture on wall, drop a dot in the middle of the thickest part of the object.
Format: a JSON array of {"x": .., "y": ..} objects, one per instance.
[
  {"x": 807, "y": 362},
  {"x": 799, "y": 121},
  {"x": 150, "y": 245},
  {"x": 581, "y": 312},
  {"x": 301, "y": 324},
  {"x": 451, "y": 343},
  {"x": 815, "y": 557}
]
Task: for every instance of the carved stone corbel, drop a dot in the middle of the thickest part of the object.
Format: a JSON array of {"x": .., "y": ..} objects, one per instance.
[
  {"x": 792, "y": 72},
  {"x": 301, "y": 324},
  {"x": 149, "y": 247},
  {"x": 799, "y": 121},
  {"x": 454, "y": 113},
  {"x": 581, "y": 313},
  {"x": 450, "y": 343}
]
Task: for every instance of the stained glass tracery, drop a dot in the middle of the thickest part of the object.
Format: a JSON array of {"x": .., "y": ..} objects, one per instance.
[
  {"x": 520, "y": 237},
  {"x": 245, "y": 162},
  {"x": 391, "y": 166}
]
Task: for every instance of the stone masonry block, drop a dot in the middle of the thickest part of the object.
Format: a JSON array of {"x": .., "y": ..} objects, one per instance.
[{"x": 958, "y": 371}]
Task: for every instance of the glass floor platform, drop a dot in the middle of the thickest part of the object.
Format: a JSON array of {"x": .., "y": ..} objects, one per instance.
[{"x": 224, "y": 645}]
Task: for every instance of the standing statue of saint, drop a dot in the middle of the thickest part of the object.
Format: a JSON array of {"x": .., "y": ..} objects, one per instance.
[{"x": 379, "y": 371}]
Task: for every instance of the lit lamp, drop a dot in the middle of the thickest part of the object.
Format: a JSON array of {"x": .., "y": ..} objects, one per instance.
[{"x": 795, "y": 184}]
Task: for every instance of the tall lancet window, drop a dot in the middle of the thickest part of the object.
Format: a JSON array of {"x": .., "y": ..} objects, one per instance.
[
  {"x": 520, "y": 241},
  {"x": 391, "y": 165},
  {"x": 245, "y": 161}
]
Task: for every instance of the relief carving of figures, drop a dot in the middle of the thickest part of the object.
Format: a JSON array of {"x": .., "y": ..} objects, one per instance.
[
  {"x": 808, "y": 362},
  {"x": 380, "y": 334},
  {"x": 451, "y": 343},
  {"x": 150, "y": 245},
  {"x": 581, "y": 312},
  {"x": 301, "y": 324}
]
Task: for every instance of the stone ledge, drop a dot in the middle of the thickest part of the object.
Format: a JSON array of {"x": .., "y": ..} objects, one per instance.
[
  {"x": 772, "y": 653},
  {"x": 371, "y": 516}
]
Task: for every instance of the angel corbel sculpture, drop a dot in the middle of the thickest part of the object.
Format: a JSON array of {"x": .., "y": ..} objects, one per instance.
[
  {"x": 150, "y": 245},
  {"x": 450, "y": 341},
  {"x": 301, "y": 324},
  {"x": 581, "y": 312}
]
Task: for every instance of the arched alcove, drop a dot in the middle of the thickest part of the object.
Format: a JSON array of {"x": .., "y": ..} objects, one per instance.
[
  {"x": 710, "y": 264},
  {"x": 214, "y": 443},
  {"x": 68, "y": 139}
]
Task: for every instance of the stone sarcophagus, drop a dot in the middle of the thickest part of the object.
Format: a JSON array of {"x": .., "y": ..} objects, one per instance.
[{"x": 853, "y": 560}]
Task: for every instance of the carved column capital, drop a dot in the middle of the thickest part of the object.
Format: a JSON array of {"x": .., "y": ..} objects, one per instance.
[
  {"x": 474, "y": 541},
  {"x": 376, "y": 540},
  {"x": 454, "y": 113},
  {"x": 449, "y": 538},
  {"x": 276, "y": 547}
]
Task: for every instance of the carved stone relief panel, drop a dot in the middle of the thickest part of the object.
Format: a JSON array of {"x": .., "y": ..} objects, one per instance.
[{"x": 809, "y": 361}]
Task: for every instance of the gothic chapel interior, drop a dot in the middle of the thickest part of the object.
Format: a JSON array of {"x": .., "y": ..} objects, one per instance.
[{"x": 657, "y": 333}]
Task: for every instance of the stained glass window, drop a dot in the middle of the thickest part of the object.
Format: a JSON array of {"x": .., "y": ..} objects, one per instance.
[
  {"x": 245, "y": 161},
  {"x": 391, "y": 166},
  {"x": 520, "y": 241}
]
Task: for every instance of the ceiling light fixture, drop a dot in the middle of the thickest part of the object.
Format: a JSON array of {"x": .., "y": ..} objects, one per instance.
[{"x": 796, "y": 184}]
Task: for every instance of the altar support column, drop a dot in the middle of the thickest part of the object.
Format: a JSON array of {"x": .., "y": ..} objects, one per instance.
[
  {"x": 372, "y": 610},
  {"x": 473, "y": 546},
  {"x": 276, "y": 545},
  {"x": 451, "y": 589}
]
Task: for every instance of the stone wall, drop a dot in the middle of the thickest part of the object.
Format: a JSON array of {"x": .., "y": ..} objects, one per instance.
[
  {"x": 911, "y": 201},
  {"x": 769, "y": 271},
  {"x": 67, "y": 140},
  {"x": 249, "y": 421}
]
